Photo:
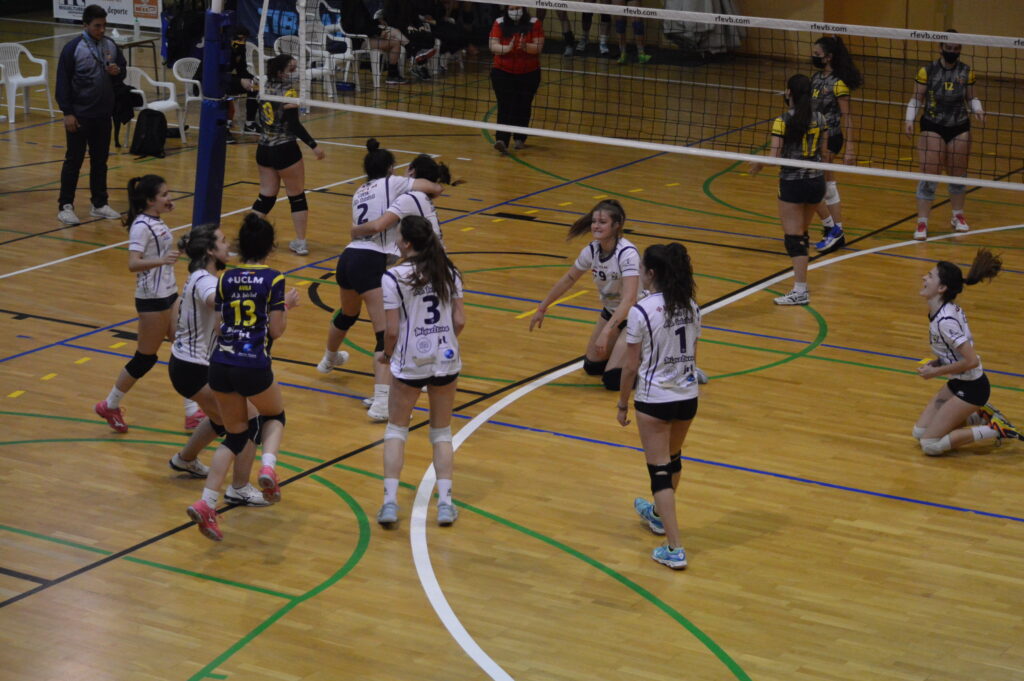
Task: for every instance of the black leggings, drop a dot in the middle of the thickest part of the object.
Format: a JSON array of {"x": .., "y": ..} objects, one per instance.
[{"x": 514, "y": 92}]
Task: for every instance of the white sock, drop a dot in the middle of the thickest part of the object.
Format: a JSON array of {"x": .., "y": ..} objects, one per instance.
[
  {"x": 269, "y": 459},
  {"x": 839, "y": 225},
  {"x": 381, "y": 392},
  {"x": 211, "y": 497},
  {"x": 922, "y": 221},
  {"x": 984, "y": 433},
  {"x": 444, "y": 492},
  {"x": 918, "y": 432},
  {"x": 190, "y": 407},
  {"x": 828, "y": 222},
  {"x": 114, "y": 398},
  {"x": 958, "y": 213},
  {"x": 800, "y": 287},
  {"x": 975, "y": 419},
  {"x": 391, "y": 490},
  {"x": 603, "y": 40},
  {"x": 178, "y": 461}
]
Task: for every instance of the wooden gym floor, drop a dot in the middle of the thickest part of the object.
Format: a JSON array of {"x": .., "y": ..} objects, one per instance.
[{"x": 822, "y": 544}]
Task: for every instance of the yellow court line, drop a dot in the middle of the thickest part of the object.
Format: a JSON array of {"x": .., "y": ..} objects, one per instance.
[
  {"x": 82, "y": 360},
  {"x": 634, "y": 191},
  {"x": 468, "y": 229},
  {"x": 532, "y": 211},
  {"x": 47, "y": 377},
  {"x": 303, "y": 283},
  {"x": 672, "y": 184},
  {"x": 17, "y": 393},
  {"x": 600, "y": 196},
  {"x": 498, "y": 220},
  {"x": 565, "y": 203},
  {"x": 118, "y": 345},
  {"x": 560, "y": 300}
]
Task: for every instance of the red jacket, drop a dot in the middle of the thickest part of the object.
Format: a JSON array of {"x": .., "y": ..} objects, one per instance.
[{"x": 518, "y": 60}]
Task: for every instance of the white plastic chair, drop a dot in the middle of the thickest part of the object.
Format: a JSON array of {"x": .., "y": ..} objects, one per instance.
[
  {"x": 291, "y": 44},
  {"x": 185, "y": 71},
  {"x": 352, "y": 56},
  {"x": 140, "y": 82},
  {"x": 13, "y": 80}
]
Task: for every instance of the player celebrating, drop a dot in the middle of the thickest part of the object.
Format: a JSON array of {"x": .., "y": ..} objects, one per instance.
[
  {"x": 662, "y": 334},
  {"x": 363, "y": 262},
  {"x": 253, "y": 306},
  {"x": 425, "y": 315},
  {"x": 944, "y": 89},
  {"x": 940, "y": 427},
  {"x": 614, "y": 263}
]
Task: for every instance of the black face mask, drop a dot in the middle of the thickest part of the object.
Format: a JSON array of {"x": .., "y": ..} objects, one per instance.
[
  {"x": 818, "y": 62},
  {"x": 950, "y": 57}
]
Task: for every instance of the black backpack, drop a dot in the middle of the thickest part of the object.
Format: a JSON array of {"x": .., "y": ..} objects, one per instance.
[{"x": 150, "y": 134}]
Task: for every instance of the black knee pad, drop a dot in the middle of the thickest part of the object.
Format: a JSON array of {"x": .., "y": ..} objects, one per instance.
[
  {"x": 218, "y": 428},
  {"x": 264, "y": 204},
  {"x": 298, "y": 203},
  {"x": 342, "y": 321},
  {"x": 661, "y": 477},
  {"x": 592, "y": 368},
  {"x": 255, "y": 432},
  {"x": 612, "y": 379},
  {"x": 675, "y": 463},
  {"x": 638, "y": 27},
  {"x": 139, "y": 365},
  {"x": 236, "y": 442},
  {"x": 796, "y": 245},
  {"x": 275, "y": 417},
  {"x": 379, "y": 347},
  {"x": 620, "y": 26},
  {"x": 606, "y": 18}
]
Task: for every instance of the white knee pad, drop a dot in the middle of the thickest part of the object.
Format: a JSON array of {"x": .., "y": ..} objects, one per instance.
[
  {"x": 831, "y": 194},
  {"x": 935, "y": 446},
  {"x": 926, "y": 190},
  {"x": 393, "y": 432},
  {"x": 440, "y": 435},
  {"x": 918, "y": 432}
]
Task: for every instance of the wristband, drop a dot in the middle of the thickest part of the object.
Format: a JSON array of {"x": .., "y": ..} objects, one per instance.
[
  {"x": 976, "y": 106},
  {"x": 912, "y": 106}
]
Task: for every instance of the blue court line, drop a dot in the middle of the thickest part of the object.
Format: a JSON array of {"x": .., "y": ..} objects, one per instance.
[
  {"x": 34, "y": 125},
  {"x": 605, "y": 443}
]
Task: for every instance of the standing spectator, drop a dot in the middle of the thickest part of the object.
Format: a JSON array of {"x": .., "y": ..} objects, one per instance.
[
  {"x": 516, "y": 41},
  {"x": 89, "y": 68}
]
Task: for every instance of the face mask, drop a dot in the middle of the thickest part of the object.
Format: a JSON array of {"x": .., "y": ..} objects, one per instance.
[
  {"x": 950, "y": 57},
  {"x": 818, "y": 62},
  {"x": 785, "y": 99},
  {"x": 515, "y": 14}
]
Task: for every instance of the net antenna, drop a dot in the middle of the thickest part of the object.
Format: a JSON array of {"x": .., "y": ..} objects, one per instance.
[{"x": 719, "y": 110}]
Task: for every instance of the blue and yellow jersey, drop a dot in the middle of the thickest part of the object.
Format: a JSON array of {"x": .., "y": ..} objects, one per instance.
[{"x": 245, "y": 298}]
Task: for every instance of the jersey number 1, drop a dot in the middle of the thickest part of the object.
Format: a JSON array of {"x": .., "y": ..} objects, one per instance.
[{"x": 250, "y": 312}]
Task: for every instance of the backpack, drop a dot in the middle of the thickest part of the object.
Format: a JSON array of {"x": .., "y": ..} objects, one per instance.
[{"x": 150, "y": 134}]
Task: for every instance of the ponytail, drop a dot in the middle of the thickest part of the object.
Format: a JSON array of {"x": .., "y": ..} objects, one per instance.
[
  {"x": 842, "y": 61},
  {"x": 426, "y": 168},
  {"x": 610, "y": 206},
  {"x": 141, "y": 190},
  {"x": 799, "y": 87},
  {"x": 986, "y": 266},
  {"x": 673, "y": 276},
  {"x": 378, "y": 162},
  {"x": 197, "y": 245},
  {"x": 431, "y": 264}
]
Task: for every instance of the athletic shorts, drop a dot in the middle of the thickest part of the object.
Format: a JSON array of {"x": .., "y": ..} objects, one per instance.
[
  {"x": 606, "y": 315},
  {"x": 974, "y": 392},
  {"x": 947, "y": 132},
  {"x": 835, "y": 142},
  {"x": 155, "y": 304},
  {"x": 246, "y": 381},
  {"x": 279, "y": 156},
  {"x": 436, "y": 381},
  {"x": 187, "y": 378},
  {"x": 681, "y": 410},
  {"x": 805, "y": 190},
  {"x": 360, "y": 269}
]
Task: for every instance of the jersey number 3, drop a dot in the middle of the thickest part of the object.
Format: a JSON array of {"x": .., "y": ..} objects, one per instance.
[
  {"x": 249, "y": 312},
  {"x": 433, "y": 309}
]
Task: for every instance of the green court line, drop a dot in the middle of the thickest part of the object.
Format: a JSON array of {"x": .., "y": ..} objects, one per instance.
[
  {"x": 706, "y": 187},
  {"x": 54, "y": 238},
  {"x": 364, "y": 532}
]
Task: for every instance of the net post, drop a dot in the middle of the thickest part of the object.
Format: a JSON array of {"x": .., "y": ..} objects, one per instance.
[{"x": 209, "y": 187}]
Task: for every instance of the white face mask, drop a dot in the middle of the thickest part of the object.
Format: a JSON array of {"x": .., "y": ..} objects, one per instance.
[{"x": 515, "y": 14}]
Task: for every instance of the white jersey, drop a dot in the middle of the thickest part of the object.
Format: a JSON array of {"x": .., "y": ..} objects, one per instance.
[
  {"x": 668, "y": 354},
  {"x": 427, "y": 345},
  {"x": 152, "y": 238},
  {"x": 948, "y": 330},
  {"x": 416, "y": 203},
  {"x": 369, "y": 203},
  {"x": 608, "y": 270},
  {"x": 197, "y": 321}
]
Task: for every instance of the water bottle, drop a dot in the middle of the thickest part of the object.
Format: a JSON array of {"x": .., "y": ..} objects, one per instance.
[{"x": 136, "y": 28}]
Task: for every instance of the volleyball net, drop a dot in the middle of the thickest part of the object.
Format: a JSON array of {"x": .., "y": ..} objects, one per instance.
[{"x": 712, "y": 85}]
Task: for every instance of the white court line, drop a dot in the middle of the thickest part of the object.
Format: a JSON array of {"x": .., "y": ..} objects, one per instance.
[
  {"x": 418, "y": 520},
  {"x": 122, "y": 243},
  {"x": 49, "y": 37}
]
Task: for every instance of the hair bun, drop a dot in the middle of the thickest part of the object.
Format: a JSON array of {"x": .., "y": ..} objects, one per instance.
[{"x": 372, "y": 144}]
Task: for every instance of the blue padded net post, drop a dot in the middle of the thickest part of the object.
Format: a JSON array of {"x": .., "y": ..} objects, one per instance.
[{"x": 209, "y": 190}]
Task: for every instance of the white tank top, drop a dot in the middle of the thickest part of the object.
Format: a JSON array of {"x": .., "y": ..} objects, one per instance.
[
  {"x": 668, "y": 351},
  {"x": 427, "y": 345},
  {"x": 153, "y": 239},
  {"x": 197, "y": 321},
  {"x": 370, "y": 202}
]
